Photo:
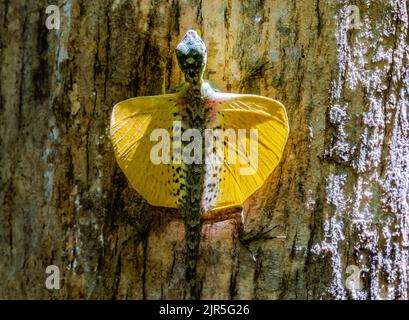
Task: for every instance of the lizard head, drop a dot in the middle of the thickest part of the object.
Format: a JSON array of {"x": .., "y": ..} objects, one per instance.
[{"x": 192, "y": 56}]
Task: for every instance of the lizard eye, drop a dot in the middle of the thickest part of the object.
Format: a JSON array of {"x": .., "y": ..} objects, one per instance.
[{"x": 195, "y": 54}]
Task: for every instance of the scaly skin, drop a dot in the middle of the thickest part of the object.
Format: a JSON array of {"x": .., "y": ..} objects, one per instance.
[
  {"x": 191, "y": 54},
  {"x": 191, "y": 208}
]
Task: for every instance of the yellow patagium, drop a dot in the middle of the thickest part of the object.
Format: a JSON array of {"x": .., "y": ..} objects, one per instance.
[{"x": 163, "y": 184}]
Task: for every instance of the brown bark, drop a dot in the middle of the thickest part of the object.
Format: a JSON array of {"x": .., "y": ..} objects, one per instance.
[{"x": 338, "y": 198}]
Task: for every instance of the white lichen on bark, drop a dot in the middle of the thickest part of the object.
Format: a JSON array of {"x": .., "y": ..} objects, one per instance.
[{"x": 367, "y": 194}]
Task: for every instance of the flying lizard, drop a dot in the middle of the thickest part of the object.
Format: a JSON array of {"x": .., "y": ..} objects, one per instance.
[{"x": 198, "y": 150}]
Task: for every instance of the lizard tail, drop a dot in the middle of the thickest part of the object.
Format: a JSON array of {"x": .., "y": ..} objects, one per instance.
[{"x": 193, "y": 233}]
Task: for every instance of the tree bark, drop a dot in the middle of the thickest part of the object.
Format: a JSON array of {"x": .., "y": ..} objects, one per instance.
[{"x": 339, "y": 197}]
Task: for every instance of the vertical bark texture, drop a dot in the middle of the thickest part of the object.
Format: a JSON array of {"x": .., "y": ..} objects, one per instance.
[{"x": 339, "y": 197}]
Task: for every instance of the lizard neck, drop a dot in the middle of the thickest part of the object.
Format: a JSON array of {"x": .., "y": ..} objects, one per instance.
[
  {"x": 195, "y": 104},
  {"x": 194, "y": 86}
]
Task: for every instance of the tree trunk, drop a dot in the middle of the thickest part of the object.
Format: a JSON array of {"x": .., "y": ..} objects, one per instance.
[{"x": 337, "y": 201}]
